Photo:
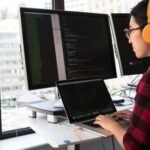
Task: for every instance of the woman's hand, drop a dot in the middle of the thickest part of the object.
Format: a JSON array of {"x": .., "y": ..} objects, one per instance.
[
  {"x": 106, "y": 121},
  {"x": 122, "y": 114}
]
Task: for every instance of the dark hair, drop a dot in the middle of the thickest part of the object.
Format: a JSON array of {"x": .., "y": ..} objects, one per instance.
[{"x": 139, "y": 12}]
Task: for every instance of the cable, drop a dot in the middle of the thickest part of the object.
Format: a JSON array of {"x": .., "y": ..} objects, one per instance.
[
  {"x": 120, "y": 92},
  {"x": 133, "y": 85},
  {"x": 135, "y": 78},
  {"x": 123, "y": 93}
]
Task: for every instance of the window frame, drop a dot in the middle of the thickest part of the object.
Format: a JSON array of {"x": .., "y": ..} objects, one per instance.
[{"x": 58, "y": 4}]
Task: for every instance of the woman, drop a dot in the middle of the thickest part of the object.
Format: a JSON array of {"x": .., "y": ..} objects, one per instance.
[{"x": 137, "y": 136}]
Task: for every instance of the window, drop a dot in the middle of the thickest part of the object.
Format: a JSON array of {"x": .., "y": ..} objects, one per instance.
[
  {"x": 100, "y": 6},
  {"x": 12, "y": 83}
]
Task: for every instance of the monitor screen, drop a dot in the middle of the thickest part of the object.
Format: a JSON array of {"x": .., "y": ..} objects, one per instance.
[
  {"x": 87, "y": 45},
  {"x": 60, "y": 45},
  {"x": 129, "y": 63}
]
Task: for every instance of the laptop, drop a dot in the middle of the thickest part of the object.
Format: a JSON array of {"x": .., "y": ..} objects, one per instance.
[{"x": 83, "y": 100}]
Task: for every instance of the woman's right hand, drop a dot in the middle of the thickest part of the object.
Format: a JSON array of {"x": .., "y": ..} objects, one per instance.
[{"x": 122, "y": 114}]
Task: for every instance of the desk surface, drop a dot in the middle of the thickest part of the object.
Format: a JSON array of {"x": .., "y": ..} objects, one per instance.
[{"x": 56, "y": 134}]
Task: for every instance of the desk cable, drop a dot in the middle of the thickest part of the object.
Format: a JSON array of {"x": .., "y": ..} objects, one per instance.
[
  {"x": 133, "y": 83},
  {"x": 122, "y": 93}
]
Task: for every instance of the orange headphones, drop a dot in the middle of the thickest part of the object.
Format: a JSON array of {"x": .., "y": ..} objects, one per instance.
[{"x": 146, "y": 30}]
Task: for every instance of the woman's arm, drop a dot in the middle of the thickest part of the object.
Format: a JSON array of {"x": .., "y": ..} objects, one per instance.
[
  {"x": 108, "y": 123},
  {"x": 118, "y": 132}
]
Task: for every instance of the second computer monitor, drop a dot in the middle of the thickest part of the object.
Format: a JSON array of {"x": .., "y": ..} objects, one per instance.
[
  {"x": 87, "y": 45},
  {"x": 60, "y": 45},
  {"x": 129, "y": 63}
]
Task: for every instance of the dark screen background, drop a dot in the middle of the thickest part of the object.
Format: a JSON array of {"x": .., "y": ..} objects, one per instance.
[
  {"x": 87, "y": 46},
  {"x": 85, "y": 99},
  {"x": 39, "y": 50},
  {"x": 130, "y": 64}
]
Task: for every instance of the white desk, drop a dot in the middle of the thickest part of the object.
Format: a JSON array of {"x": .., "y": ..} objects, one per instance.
[{"x": 55, "y": 134}]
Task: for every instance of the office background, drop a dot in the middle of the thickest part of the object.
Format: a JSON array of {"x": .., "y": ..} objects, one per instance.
[{"x": 12, "y": 83}]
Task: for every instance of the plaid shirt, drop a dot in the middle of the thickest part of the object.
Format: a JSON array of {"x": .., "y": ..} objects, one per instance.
[{"x": 137, "y": 136}]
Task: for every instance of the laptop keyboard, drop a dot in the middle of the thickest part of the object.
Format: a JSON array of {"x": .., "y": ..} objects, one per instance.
[{"x": 90, "y": 123}]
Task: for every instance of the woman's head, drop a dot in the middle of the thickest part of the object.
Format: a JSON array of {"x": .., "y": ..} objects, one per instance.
[
  {"x": 139, "y": 12},
  {"x": 138, "y": 20}
]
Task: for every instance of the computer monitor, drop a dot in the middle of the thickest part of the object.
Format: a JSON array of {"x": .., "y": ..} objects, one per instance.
[
  {"x": 38, "y": 47},
  {"x": 60, "y": 45},
  {"x": 129, "y": 63}
]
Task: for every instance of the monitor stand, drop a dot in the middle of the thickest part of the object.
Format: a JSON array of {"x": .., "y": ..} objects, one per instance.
[
  {"x": 52, "y": 108},
  {"x": 53, "y": 113}
]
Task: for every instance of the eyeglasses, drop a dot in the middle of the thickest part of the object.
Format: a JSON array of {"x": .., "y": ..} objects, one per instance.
[{"x": 128, "y": 31}]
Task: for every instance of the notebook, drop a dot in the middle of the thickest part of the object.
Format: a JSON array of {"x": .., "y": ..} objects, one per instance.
[{"x": 83, "y": 100}]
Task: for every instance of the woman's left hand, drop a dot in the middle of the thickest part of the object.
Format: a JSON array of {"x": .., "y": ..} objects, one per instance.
[{"x": 105, "y": 121}]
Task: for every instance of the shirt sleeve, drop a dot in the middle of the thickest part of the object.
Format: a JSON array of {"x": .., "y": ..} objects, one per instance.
[{"x": 137, "y": 136}]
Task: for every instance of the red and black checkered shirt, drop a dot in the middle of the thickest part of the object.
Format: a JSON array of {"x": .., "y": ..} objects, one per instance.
[{"x": 137, "y": 136}]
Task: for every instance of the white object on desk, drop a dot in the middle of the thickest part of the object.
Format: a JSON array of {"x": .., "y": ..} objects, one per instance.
[
  {"x": 128, "y": 104},
  {"x": 116, "y": 97}
]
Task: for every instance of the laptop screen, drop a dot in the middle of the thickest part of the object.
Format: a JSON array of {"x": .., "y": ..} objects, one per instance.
[{"x": 85, "y": 99}]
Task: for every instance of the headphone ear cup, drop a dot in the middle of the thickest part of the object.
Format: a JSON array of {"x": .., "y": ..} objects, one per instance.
[{"x": 146, "y": 33}]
